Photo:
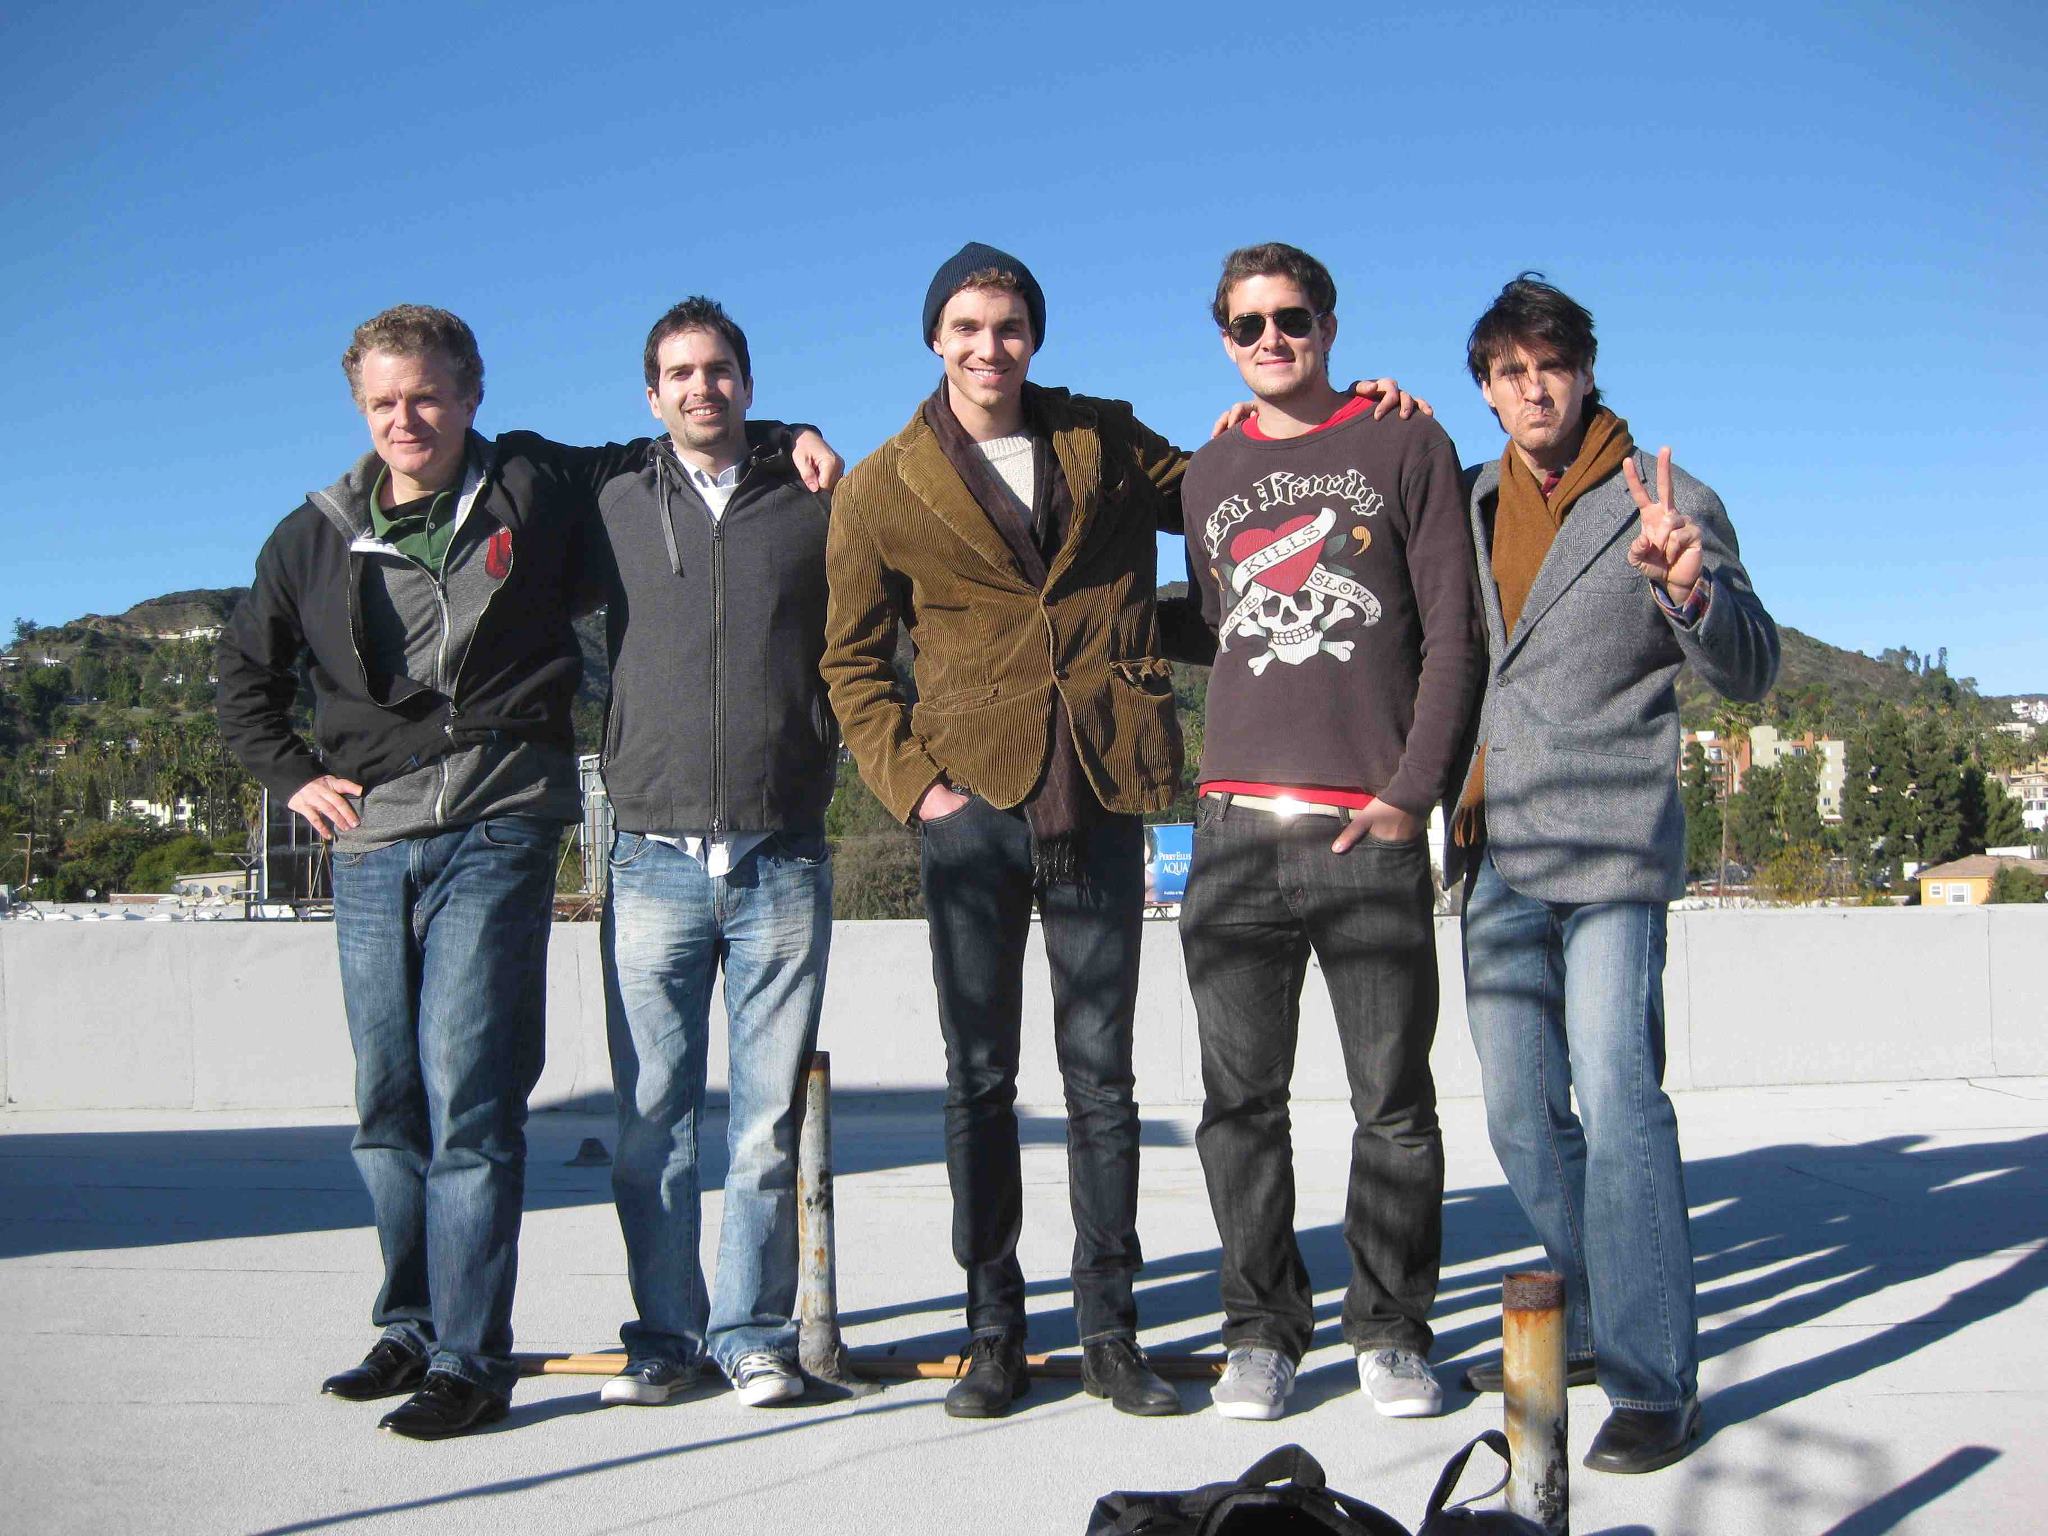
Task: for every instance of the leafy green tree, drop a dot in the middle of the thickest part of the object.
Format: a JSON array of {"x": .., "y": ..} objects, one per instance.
[
  {"x": 1879, "y": 817},
  {"x": 1754, "y": 833},
  {"x": 1795, "y": 875},
  {"x": 1941, "y": 832},
  {"x": 2015, "y": 884},
  {"x": 90, "y": 673},
  {"x": 1798, "y": 802},
  {"x": 99, "y": 856},
  {"x": 158, "y": 867},
  {"x": 24, "y": 631},
  {"x": 1991, "y": 817},
  {"x": 42, "y": 695},
  {"x": 1702, "y": 813}
]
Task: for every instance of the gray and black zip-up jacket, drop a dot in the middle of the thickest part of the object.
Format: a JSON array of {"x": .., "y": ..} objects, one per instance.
[
  {"x": 446, "y": 699},
  {"x": 718, "y": 721}
]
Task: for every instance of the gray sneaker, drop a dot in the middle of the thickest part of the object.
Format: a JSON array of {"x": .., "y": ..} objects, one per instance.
[
  {"x": 1400, "y": 1383},
  {"x": 1255, "y": 1384},
  {"x": 648, "y": 1383}
]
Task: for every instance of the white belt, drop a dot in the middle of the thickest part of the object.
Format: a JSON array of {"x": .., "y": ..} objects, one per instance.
[{"x": 1278, "y": 805}]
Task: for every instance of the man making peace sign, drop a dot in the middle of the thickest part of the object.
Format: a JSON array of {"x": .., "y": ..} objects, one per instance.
[{"x": 1573, "y": 845}]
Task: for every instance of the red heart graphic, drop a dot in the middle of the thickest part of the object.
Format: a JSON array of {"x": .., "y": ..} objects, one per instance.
[{"x": 1289, "y": 574}]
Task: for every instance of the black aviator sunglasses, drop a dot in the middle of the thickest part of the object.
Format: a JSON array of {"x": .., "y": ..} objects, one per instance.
[{"x": 1293, "y": 321}]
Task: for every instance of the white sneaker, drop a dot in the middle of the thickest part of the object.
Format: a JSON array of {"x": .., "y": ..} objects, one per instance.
[
  {"x": 1400, "y": 1383},
  {"x": 762, "y": 1378},
  {"x": 648, "y": 1383},
  {"x": 1255, "y": 1384}
]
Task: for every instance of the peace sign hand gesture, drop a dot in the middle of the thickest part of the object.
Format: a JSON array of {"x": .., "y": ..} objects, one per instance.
[{"x": 1668, "y": 549}]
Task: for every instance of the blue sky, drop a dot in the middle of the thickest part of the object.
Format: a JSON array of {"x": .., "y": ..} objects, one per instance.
[{"x": 1812, "y": 238}]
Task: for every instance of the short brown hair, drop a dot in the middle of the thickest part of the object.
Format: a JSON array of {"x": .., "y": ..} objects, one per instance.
[
  {"x": 414, "y": 330},
  {"x": 1274, "y": 259}
]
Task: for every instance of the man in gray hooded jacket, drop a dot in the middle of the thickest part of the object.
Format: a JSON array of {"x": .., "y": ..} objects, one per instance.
[{"x": 430, "y": 586}]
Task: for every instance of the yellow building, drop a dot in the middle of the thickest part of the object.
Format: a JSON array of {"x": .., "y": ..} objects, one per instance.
[{"x": 1967, "y": 882}]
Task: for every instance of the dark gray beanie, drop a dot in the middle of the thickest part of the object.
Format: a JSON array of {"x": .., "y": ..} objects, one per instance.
[{"x": 975, "y": 257}]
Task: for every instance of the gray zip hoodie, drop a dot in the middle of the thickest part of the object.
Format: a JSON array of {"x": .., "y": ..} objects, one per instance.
[{"x": 419, "y": 628}]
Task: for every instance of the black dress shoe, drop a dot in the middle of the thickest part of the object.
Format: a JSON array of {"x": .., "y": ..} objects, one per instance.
[
  {"x": 995, "y": 1377},
  {"x": 445, "y": 1405},
  {"x": 389, "y": 1368},
  {"x": 1116, "y": 1369},
  {"x": 1642, "y": 1440},
  {"x": 1491, "y": 1375}
]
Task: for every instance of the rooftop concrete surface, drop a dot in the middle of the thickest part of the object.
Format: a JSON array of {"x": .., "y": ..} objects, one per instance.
[{"x": 174, "y": 1285}]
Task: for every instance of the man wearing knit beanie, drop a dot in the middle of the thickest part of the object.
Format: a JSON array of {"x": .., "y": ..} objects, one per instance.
[{"x": 1012, "y": 527}]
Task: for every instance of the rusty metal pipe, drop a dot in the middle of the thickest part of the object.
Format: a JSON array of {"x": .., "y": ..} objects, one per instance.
[
  {"x": 820, "y": 1349},
  {"x": 1532, "y": 1358}
]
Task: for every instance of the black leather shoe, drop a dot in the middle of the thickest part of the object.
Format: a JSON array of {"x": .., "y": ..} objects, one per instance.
[
  {"x": 445, "y": 1405},
  {"x": 995, "y": 1377},
  {"x": 1490, "y": 1375},
  {"x": 1639, "y": 1440},
  {"x": 1116, "y": 1369},
  {"x": 388, "y": 1369}
]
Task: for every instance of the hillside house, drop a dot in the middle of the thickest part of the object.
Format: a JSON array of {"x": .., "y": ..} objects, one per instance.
[{"x": 1967, "y": 882}]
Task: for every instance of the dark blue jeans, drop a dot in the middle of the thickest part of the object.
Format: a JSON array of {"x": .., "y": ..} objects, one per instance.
[
  {"x": 978, "y": 894},
  {"x": 1264, "y": 893},
  {"x": 444, "y": 945}
]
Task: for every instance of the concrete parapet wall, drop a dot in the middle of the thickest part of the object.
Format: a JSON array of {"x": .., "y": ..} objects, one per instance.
[{"x": 249, "y": 1015}]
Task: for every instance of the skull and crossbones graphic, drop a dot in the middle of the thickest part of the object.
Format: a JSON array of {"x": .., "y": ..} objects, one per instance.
[{"x": 1285, "y": 594}]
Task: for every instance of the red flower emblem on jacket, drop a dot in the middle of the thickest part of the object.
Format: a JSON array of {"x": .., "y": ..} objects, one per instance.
[{"x": 498, "y": 555}]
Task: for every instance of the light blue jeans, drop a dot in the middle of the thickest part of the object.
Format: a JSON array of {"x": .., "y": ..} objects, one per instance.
[
  {"x": 444, "y": 944},
  {"x": 1568, "y": 1000},
  {"x": 668, "y": 928}
]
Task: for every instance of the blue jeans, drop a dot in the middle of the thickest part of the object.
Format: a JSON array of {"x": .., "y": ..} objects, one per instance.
[
  {"x": 668, "y": 927},
  {"x": 444, "y": 944},
  {"x": 1569, "y": 999},
  {"x": 976, "y": 872}
]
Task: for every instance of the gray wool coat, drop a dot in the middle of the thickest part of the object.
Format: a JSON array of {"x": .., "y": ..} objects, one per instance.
[{"x": 1580, "y": 720}]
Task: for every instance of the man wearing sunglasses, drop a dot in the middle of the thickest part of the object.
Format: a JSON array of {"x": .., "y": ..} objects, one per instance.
[
  {"x": 1334, "y": 564},
  {"x": 1574, "y": 845},
  {"x": 1013, "y": 529}
]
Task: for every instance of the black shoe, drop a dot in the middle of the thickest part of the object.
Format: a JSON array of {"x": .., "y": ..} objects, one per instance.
[
  {"x": 388, "y": 1369},
  {"x": 1490, "y": 1375},
  {"x": 1641, "y": 1440},
  {"x": 1116, "y": 1369},
  {"x": 445, "y": 1405},
  {"x": 994, "y": 1376}
]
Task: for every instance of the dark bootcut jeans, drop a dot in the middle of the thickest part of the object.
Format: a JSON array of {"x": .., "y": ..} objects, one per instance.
[
  {"x": 444, "y": 944},
  {"x": 1264, "y": 893},
  {"x": 978, "y": 894}
]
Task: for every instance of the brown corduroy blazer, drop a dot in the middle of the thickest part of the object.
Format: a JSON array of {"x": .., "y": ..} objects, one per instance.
[{"x": 908, "y": 542}]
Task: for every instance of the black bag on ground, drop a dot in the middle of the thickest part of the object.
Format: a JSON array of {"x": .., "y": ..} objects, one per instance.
[{"x": 1284, "y": 1493}]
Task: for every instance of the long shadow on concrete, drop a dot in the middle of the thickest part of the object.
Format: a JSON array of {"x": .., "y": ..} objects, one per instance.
[
  {"x": 1787, "y": 1233},
  {"x": 524, "y": 1416},
  {"x": 1783, "y": 1235},
  {"x": 69, "y": 1191}
]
